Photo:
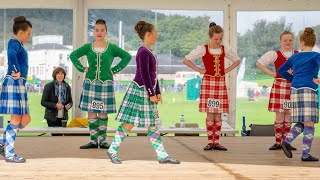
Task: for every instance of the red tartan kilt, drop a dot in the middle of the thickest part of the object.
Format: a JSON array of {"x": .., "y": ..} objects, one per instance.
[
  {"x": 213, "y": 89},
  {"x": 280, "y": 93}
]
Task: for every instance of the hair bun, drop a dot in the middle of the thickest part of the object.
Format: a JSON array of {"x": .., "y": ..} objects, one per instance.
[
  {"x": 19, "y": 19},
  {"x": 212, "y": 24},
  {"x": 308, "y": 31},
  {"x": 139, "y": 26}
]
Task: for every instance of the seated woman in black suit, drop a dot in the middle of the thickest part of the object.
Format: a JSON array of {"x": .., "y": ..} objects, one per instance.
[{"x": 57, "y": 99}]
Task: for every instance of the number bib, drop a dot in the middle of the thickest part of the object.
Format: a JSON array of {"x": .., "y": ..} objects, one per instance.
[
  {"x": 286, "y": 104},
  {"x": 97, "y": 105},
  {"x": 213, "y": 103}
]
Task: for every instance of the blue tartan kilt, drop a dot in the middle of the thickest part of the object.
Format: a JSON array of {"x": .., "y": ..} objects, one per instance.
[
  {"x": 14, "y": 97},
  {"x": 304, "y": 105},
  {"x": 98, "y": 97}
]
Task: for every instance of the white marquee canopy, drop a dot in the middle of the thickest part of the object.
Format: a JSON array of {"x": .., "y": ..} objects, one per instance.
[{"x": 229, "y": 7}]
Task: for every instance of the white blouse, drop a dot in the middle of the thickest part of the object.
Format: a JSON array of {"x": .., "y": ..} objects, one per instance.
[
  {"x": 99, "y": 49},
  {"x": 271, "y": 56}
]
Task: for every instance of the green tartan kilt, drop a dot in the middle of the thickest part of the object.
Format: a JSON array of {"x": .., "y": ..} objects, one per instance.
[
  {"x": 137, "y": 109},
  {"x": 98, "y": 97}
]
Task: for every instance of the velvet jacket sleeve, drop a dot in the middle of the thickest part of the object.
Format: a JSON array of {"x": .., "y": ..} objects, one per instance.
[
  {"x": 158, "y": 88},
  {"x": 145, "y": 59},
  {"x": 125, "y": 59},
  {"x": 13, "y": 50},
  {"x": 283, "y": 70},
  {"x": 76, "y": 54}
]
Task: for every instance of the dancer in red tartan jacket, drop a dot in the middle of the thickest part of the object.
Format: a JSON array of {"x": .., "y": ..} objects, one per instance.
[
  {"x": 279, "y": 101},
  {"x": 213, "y": 91}
]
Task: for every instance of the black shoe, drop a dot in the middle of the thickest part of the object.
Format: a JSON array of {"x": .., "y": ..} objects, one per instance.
[
  {"x": 104, "y": 145},
  {"x": 219, "y": 147},
  {"x": 114, "y": 158},
  {"x": 292, "y": 148},
  {"x": 89, "y": 146},
  {"x": 2, "y": 152},
  {"x": 208, "y": 147},
  {"x": 169, "y": 160},
  {"x": 309, "y": 158},
  {"x": 286, "y": 149},
  {"x": 15, "y": 159},
  {"x": 275, "y": 147}
]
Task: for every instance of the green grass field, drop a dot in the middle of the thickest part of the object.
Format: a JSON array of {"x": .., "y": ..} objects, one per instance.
[{"x": 175, "y": 104}]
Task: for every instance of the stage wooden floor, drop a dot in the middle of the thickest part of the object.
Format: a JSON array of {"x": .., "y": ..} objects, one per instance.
[{"x": 246, "y": 158}]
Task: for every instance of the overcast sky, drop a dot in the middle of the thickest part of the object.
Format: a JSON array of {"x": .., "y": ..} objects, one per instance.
[
  {"x": 299, "y": 19},
  {"x": 246, "y": 19}
]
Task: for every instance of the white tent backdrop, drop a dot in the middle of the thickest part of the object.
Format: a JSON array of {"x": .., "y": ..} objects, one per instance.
[{"x": 230, "y": 9}]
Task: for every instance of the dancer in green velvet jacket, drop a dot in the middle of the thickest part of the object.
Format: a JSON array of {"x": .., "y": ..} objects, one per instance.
[{"x": 97, "y": 97}]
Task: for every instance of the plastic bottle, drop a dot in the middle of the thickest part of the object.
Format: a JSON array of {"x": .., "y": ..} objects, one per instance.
[
  {"x": 244, "y": 128},
  {"x": 224, "y": 117},
  {"x": 182, "y": 122}
]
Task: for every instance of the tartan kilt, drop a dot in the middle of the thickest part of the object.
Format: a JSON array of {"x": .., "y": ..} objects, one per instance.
[
  {"x": 280, "y": 96},
  {"x": 213, "y": 95},
  {"x": 14, "y": 97},
  {"x": 98, "y": 97},
  {"x": 137, "y": 109},
  {"x": 304, "y": 105}
]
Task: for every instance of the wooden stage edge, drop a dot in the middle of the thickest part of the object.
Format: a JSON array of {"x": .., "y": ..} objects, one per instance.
[{"x": 246, "y": 158}]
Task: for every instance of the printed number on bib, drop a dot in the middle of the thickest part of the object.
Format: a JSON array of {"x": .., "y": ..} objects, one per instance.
[
  {"x": 286, "y": 104},
  {"x": 213, "y": 103},
  {"x": 97, "y": 105}
]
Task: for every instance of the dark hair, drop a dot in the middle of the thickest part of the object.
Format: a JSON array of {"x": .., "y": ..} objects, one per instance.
[
  {"x": 20, "y": 23},
  {"x": 214, "y": 28},
  {"x": 286, "y": 32},
  {"x": 103, "y": 22},
  {"x": 56, "y": 71},
  {"x": 212, "y": 24},
  {"x": 142, "y": 28},
  {"x": 308, "y": 37}
]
